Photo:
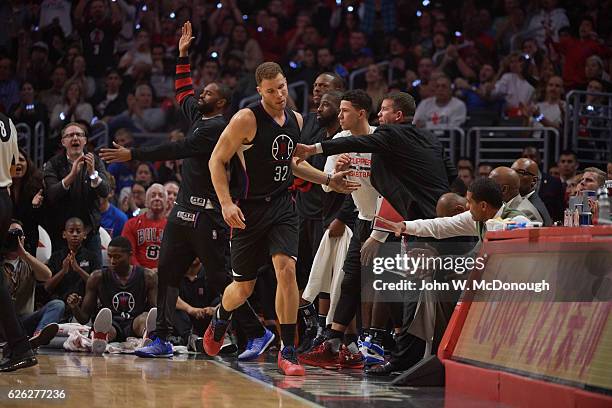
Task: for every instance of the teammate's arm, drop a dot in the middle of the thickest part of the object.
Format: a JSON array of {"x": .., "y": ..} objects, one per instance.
[
  {"x": 183, "y": 84},
  {"x": 84, "y": 312},
  {"x": 336, "y": 182},
  {"x": 191, "y": 146},
  {"x": 241, "y": 130},
  {"x": 151, "y": 286}
]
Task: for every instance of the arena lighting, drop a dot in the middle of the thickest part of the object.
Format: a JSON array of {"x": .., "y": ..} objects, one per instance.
[
  {"x": 144, "y": 7},
  {"x": 172, "y": 15},
  {"x": 214, "y": 54},
  {"x": 35, "y": 28},
  {"x": 457, "y": 33},
  {"x": 419, "y": 13},
  {"x": 219, "y": 5},
  {"x": 62, "y": 116},
  {"x": 293, "y": 64},
  {"x": 350, "y": 9},
  {"x": 138, "y": 26},
  {"x": 245, "y": 17},
  {"x": 94, "y": 120},
  {"x": 426, "y": 3},
  {"x": 590, "y": 108},
  {"x": 338, "y": 2},
  {"x": 259, "y": 29}
]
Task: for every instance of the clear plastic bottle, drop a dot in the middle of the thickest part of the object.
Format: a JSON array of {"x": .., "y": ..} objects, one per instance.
[{"x": 604, "y": 207}]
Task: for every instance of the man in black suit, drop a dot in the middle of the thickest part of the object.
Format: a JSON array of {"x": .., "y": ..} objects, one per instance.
[
  {"x": 550, "y": 189},
  {"x": 527, "y": 170}
]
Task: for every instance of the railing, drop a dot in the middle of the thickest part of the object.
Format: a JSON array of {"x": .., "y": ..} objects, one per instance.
[
  {"x": 293, "y": 87},
  {"x": 39, "y": 145},
  {"x": 497, "y": 145},
  {"x": 453, "y": 140},
  {"x": 304, "y": 85},
  {"x": 361, "y": 71},
  {"x": 588, "y": 126},
  {"x": 98, "y": 134},
  {"x": 24, "y": 137}
]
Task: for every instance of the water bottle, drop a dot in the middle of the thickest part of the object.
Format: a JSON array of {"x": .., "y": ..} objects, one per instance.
[{"x": 604, "y": 207}]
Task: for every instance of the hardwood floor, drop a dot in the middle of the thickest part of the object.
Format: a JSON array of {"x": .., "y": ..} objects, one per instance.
[{"x": 128, "y": 381}]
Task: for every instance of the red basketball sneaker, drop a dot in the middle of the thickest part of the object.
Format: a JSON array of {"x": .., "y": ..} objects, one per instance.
[
  {"x": 321, "y": 356},
  {"x": 288, "y": 363},
  {"x": 214, "y": 335},
  {"x": 349, "y": 359}
]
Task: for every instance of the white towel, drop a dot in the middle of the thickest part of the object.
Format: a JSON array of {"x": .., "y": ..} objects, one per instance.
[{"x": 327, "y": 273}]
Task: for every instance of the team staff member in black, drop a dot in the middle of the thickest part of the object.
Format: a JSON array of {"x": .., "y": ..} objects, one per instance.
[
  {"x": 265, "y": 223},
  {"x": 309, "y": 197},
  {"x": 195, "y": 225},
  {"x": 17, "y": 353},
  {"x": 309, "y": 201},
  {"x": 409, "y": 167}
]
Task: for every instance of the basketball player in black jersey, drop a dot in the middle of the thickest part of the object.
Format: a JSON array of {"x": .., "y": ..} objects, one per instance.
[
  {"x": 127, "y": 291},
  {"x": 264, "y": 220},
  {"x": 195, "y": 225}
]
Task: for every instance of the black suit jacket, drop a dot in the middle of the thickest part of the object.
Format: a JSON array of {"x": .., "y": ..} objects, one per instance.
[
  {"x": 541, "y": 207},
  {"x": 552, "y": 193},
  {"x": 408, "y": 166}
]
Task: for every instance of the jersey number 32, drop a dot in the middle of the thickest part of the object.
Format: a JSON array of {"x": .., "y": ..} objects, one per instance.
[{"x": 281, "y": 173}]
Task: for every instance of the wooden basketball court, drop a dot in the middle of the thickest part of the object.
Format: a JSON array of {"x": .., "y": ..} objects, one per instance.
[{"x": 197, "y": 381}]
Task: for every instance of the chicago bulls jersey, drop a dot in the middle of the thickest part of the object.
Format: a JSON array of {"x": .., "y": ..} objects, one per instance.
[
  {"x": 125, "y": 301},
  {"x": 145, "y": 235},
  {"x": 268, "y": 157}
]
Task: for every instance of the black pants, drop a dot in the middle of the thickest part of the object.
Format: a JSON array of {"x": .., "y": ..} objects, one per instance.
[
  {"x": 10, "y": 326},
  {"x": 184, "y": 325},
  {"x": 181, "y": 244},
  {"x": 350, "y": 290},
  {"x": 311, "y": 232}
]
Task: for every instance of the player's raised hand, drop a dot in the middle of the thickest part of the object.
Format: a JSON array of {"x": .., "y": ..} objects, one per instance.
[
  {"x": 186, "y": 39},
  {"x": 117, "y": 155},
  {"x": 340, "y": 184},
  {"x": 233, "y": 216}
]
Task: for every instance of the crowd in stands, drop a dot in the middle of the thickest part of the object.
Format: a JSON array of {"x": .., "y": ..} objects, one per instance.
[{"x": 69, "y": 64}]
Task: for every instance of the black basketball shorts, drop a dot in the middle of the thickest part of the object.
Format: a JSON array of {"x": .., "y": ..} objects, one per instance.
[{"x": 271, "y": 228}]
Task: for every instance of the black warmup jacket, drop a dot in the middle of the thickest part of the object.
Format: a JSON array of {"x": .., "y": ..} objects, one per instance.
[{"x": 409, "y": 167}]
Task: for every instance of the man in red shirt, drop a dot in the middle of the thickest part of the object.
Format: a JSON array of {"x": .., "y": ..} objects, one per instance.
[
  {"x": 577, "y": 50},
  {"x": 146, "y": 230}
]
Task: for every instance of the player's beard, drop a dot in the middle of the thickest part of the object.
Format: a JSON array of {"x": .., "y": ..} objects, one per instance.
[
  {"x": 206, "y": 108},
  {"x": 325, "y": 121}
]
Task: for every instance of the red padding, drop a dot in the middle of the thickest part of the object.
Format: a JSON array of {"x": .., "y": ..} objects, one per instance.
[
  {"x": 466, "y": 381},
  {"x": 463, "y": 379}
]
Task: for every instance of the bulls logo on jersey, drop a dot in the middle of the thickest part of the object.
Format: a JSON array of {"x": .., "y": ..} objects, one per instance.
[
  {"x": 124, "y": 302},
  {"x": 282, "y": 147}
]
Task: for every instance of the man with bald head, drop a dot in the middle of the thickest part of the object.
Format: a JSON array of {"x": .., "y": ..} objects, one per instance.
[
  {"x": 509, "y": 182},
  {"x": 450, "y": 204},
  {"x": 550, "y": 189},
  {"x": 529, "y": 173}
]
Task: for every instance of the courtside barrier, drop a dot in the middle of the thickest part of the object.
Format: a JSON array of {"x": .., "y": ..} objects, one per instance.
[{"x": 514, "y": 349}]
